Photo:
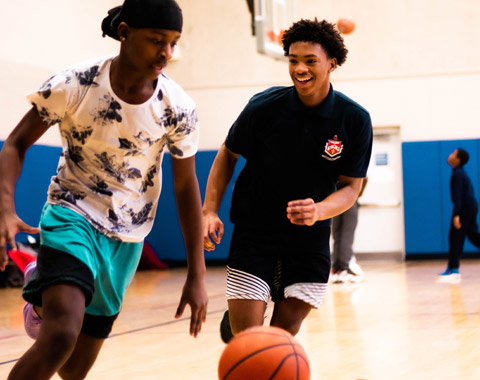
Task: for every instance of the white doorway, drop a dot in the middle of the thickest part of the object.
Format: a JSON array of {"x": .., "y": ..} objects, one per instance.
[{"x": 380, "y": 226}]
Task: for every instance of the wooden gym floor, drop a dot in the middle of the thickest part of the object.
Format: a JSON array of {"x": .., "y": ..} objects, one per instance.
[{"x": 398, "y": 324}]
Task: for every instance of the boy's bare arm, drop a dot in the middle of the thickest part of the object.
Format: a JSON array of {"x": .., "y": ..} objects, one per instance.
[
  {"x": 189, "y": 205},
  {"x": 28, "y": 130},
  {"x": 307, "y": 212},
  {"x": 220, "y": 175}
]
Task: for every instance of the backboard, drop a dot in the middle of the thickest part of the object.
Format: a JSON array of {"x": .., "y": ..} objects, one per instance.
[{"x": 272, "y": 18}]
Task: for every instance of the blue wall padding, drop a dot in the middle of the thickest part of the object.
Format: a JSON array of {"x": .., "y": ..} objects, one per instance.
[
  {"x": 422, "y": 195},
  {"x": 166, "y": 238},
  {"x": 426, "y": 192},
  {"x": 427, "y": 204},
  {"x": 31, "y": 192}
]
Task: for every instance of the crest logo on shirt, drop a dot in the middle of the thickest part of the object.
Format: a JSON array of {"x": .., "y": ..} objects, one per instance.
[{"x": 333, "y": 147}]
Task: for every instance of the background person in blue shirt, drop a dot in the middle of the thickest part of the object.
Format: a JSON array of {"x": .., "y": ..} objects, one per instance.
[{"x": 464, "y": 216}]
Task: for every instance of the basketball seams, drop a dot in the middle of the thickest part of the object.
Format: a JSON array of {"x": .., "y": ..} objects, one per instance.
[
  {"x": 296, "y": 361},
  {"x": 246, "y": 354},
  {"x": 297, "y": 354},
  {"x": 285, "y": 358},
  {"x": 244, "y": 359}
]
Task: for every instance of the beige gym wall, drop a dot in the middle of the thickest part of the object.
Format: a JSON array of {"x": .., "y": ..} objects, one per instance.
[{"x": 412, "y": 63}]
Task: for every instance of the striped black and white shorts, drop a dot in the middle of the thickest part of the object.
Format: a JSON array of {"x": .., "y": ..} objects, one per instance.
[{"x": 264, "y": 265}]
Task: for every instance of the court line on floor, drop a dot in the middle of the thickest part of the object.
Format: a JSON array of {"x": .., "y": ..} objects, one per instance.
[
  {"x": 139, "y": 329},
  {"x": 171, "y": 322},
  {"x": 175, "y": 304}
]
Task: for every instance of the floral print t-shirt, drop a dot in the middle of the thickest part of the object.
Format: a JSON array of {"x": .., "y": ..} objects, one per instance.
[{"x": 110, "y": 167}]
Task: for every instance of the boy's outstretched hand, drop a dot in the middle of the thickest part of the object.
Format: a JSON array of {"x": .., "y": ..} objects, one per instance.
[
  {"x": 10, "y": 225},
  {"x": 194, "y": 294}
]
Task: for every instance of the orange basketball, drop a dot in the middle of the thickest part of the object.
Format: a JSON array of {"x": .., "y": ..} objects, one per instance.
[
  {"x": 345, "y": 25},
  {"x": 263, "y": 353}
]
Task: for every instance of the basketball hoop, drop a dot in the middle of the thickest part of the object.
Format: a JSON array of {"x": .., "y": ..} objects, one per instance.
[{"x": 272, "y": 18}]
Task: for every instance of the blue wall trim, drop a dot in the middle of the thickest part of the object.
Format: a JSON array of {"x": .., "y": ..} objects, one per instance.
[
  {"x": 166, "y": 237},
  {"x": 427, "y": 204},
  {"x": 39, "y": 166},
  {"x": 426, "y": 192}
]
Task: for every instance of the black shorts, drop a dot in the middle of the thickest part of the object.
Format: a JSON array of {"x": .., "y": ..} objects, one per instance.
[
  {"x": 281, "y": 259},
  {"x": 56, "y": 267}
]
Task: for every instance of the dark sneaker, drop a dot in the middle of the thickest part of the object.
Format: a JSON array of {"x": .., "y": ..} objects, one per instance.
[{"x": 225, "y": 330}]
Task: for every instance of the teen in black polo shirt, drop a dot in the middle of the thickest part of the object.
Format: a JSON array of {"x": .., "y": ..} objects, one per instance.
[{"x": 300, "y": 143}]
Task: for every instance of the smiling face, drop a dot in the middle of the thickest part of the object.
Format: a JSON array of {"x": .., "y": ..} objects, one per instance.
[
  {"x": 310, "y": 69},
  {"x": 148, "y": 50}
]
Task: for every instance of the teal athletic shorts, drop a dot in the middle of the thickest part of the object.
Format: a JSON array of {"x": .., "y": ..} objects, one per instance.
[{"x": 73, "y": 251}]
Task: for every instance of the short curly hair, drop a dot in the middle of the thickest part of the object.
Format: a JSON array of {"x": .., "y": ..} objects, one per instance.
[
  {"x": 463, "y": 156},
  {"x": 320, "y": 32}
]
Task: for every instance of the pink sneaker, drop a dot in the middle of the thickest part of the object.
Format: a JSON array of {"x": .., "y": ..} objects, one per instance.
[{"x": 31, "y": 319}]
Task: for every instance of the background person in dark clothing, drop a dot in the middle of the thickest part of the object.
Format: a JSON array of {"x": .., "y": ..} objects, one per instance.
[{"x": 464, "y": 216}]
